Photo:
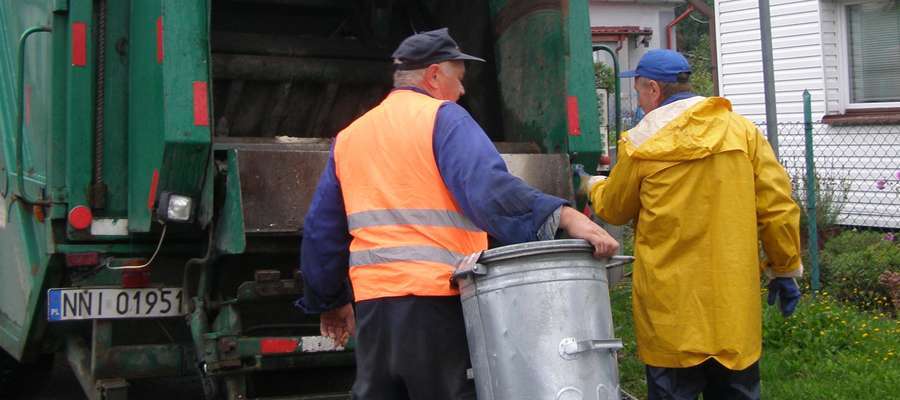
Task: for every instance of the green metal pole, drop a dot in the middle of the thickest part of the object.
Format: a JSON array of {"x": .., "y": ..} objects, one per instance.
[
  {"x": 616, "y": 88},
  {"x": 20, "y": 115},
  {"x": 813, "y": 242}
]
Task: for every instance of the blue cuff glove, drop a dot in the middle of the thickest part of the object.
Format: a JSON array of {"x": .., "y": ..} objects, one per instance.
[{"x": 787, "y": 292}]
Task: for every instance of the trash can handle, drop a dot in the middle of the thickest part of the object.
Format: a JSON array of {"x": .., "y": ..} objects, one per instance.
[
  {"x": 616, "y": 261},
  {"x": 570, "y": 348}
]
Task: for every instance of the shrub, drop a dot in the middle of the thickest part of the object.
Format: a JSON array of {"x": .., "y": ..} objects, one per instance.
[
  {"x": 831, "y": 195},
  {"x": 851, "y": 266}
]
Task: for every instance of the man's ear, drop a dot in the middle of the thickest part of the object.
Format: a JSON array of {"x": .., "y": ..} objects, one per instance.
[
  {"x": 657, "y": 89},
  {"x": 430, "y": 76}
]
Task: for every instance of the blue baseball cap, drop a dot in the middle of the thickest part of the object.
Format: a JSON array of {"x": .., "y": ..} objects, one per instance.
[
  {"x": 423, "y": 49},
  {"x": 660, "y": 65}
]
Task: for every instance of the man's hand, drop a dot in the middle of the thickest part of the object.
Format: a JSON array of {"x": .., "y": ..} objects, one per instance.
[
  {"x": 787, "y": 292},
  {"x": 338, "y": 324},
  {"x": 579, "y": 226}
]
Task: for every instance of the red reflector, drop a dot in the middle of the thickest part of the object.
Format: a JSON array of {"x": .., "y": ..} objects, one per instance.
[
  {"x": 154, "y": 183},
  {"x": 201, "y": 104},
  {"x": 278, "y": 346},
  {"x": 80, "y": 217},
  {"x": 605, "y": 160},
  {"x": 159, "y": 41},
  {"x": 82, "y": 259},
  {"x": 136, "y": 278},
  {"x": 572, "y": 111},
  {"x": 79, "y": 44}
]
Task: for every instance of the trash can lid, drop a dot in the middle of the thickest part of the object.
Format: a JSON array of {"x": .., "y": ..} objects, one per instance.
[{"x": 533, "y": 248}]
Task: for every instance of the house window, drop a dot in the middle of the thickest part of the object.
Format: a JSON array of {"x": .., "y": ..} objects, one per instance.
[{"x": 871, "y": 54}]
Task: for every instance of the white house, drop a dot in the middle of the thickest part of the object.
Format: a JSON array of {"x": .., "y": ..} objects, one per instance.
[
  {"x": 631, "y": 28},
  {"x": 847, "y": 54}
]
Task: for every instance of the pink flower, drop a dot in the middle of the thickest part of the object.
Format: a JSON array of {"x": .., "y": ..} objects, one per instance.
[
  {"x": 880, "y": 184},
  {"x": 897, "y": 175},
  {"x": 889, "y": 236}
]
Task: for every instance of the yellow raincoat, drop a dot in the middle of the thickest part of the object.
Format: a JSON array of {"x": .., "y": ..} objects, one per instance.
[{"x": 703, "y": 187}]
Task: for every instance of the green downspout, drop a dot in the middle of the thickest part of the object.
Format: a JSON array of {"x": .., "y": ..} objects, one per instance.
[
  {"x": 813, "y": 241},
  {"x": 20, "y": 115},
  {"x": 616, "y": 88}
]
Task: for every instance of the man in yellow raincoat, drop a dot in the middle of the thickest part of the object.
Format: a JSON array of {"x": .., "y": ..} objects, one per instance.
[{"x": 703, "y": 187}]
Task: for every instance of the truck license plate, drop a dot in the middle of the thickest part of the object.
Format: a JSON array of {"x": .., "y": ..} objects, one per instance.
[{"x": 67, "y": 304}]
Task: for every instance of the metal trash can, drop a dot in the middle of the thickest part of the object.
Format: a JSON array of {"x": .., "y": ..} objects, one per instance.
[{"x": 539, "y": 323}]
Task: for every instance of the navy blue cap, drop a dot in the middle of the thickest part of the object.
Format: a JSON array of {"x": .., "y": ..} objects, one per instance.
[
  {"x": 423, "y": 49},
  {"x": 660, "y": 65}
]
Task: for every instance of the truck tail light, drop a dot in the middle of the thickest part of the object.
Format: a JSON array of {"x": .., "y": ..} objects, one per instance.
[{"x": 75, "y": 260}]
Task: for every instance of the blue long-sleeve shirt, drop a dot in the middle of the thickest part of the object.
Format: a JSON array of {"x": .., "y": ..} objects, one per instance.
[{"x": 494, "y": 200}]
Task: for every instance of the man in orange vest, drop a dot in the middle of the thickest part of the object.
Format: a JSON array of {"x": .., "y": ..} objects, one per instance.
[{"x": 411, "y": 187}]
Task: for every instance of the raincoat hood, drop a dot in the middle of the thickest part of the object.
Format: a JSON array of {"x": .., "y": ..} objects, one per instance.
[{"x": 688, "y": 129}]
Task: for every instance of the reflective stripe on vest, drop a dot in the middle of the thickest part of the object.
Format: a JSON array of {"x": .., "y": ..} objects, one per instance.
[
  {"x": 410, "y": 217},
  {"x": 385, "y": 255},
  {"x": 408, "y": 232}
]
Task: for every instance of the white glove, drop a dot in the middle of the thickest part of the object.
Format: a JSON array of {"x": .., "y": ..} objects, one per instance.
[{"x": 587, "y": 182}]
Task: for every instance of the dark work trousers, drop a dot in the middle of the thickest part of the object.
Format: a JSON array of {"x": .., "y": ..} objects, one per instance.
[
  {"x": 710, "y": 378},
  {"x": 411, "y": 348}
]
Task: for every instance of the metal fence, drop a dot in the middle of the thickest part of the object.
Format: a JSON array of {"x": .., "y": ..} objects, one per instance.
[
  {"x": 841, "y": 176},
  {"x": 857, "y": 172}
]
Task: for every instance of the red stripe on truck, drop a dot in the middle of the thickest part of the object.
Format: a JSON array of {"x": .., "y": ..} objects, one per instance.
[
  {"x": 572, "y": 112},
  {"x": 201, "y": 104},
  {"x": 154, "y": 183},
  {"x": 159, "y": 41},
  {"x": 79, "y": 44}
]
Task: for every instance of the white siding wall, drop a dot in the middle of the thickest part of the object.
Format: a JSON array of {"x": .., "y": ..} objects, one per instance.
[
  {"x": 854, "y": 158},
  {"x": 797, "y": 52},
  {"x": 806, "y": 49},
  {"x": 830, "y": 58}
]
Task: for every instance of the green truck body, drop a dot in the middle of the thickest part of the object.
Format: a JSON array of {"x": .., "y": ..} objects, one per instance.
[{"x": 109, "y": 108}]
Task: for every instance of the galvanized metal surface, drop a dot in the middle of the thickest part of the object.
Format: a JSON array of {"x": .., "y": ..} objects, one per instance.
[
  {"x": 549, "y": 173},
  {"x": 278, "y": 181},
  {"x": 279, "y": 177},
  {"x": 534, "y": 301}
]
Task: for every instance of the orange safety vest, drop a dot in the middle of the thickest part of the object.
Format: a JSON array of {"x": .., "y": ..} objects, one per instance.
[{"x": 408, "y": 232}]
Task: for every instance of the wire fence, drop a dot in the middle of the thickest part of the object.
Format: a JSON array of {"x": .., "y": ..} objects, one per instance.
[{"x": 857, "y": 171}]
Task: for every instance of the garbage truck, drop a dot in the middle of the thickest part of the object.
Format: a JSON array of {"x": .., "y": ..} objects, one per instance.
[{"x": 159, "y": 156}]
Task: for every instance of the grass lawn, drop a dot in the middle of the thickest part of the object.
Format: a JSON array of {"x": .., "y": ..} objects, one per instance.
[{"x": 826, "y": 350}]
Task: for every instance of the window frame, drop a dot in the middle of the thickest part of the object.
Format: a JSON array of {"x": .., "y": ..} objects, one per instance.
[{"x": 843, "y": 48}]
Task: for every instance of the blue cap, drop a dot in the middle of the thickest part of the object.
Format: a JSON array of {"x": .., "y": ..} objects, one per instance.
[
  {"x": 660, "y": 65},
  {"x": 423, "y": 49}
]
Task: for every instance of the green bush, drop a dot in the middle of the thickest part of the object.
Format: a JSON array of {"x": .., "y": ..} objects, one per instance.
[
  {"x": 604, "y": 77},
  {"x": 851, "y": 264}
]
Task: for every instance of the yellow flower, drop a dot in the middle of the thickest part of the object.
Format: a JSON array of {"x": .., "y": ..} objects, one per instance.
[
  {"x": 877, "y": 329},
  {"x": 865, "y": 334}
]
